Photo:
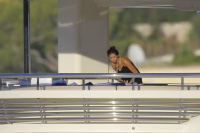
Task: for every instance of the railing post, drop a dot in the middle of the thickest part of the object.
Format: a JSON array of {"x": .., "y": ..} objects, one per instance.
[
  {"x": 138, "y": 87},
  {"x": 83, "y": 83},
  {"x": 0, "y": 84},
  {"x": 27, "y": 62},
  {"x": 182, "y": 83},
  {"x": 38, "y": 84},
  {"x": 133, "y": 84},
  {"x": 188, "y": 88}
]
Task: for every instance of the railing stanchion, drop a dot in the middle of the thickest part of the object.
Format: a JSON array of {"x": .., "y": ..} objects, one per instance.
[
  {"x": 133, "y": 84},
  {"x": 0, "y": 84},
  {"x": 83, "y": 83},
  {"x": 188, "y": 88},
  {"x": 138, "y": 87},
  {"x": 38, "y": 84},
  {"x": 182, "y": 83}
]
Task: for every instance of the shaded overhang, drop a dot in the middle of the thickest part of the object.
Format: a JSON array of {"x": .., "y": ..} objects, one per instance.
[{"x": 191, "y": 5}]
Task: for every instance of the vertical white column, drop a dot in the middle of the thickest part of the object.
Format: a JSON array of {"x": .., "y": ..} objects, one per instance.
[
  {"x": 82, "y": 37},
  {"x": 68, "y": 40}
]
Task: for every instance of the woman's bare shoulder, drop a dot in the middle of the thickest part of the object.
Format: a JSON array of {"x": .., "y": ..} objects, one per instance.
[{"x": 125, "y": 59}]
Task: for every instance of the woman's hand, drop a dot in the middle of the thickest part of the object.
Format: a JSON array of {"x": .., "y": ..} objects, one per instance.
[
  {"x": 125, "y": 82},
  {"x": 120, "y": 80}
]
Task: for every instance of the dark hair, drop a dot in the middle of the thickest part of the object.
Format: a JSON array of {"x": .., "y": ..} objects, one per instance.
[{"x": 112, "y": 50}]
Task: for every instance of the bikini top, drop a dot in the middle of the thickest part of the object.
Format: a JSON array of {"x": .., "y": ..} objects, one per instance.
[{"x": 126, "y": 69}]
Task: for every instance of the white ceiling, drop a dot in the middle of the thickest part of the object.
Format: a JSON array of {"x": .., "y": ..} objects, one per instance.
[{"x": 193, "y": 5}]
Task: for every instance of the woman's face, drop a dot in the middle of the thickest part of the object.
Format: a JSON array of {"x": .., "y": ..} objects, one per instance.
[{"x": 113, "y": 57}]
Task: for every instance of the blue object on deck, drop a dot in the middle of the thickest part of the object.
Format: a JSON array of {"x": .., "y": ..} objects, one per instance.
[
  {"x": 89, "y": 83},
  {"x": 23, "y": 82},
  {"x": 155, "y": 84},
  {"x": 59, "y": 82},
  {"x": 118, "y": 84}
]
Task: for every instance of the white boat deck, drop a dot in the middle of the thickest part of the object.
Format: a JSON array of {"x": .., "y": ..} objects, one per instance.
[{"x": 87, "y": 108}]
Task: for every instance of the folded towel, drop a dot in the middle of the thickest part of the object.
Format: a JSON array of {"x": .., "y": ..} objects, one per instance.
[{"x": 42, "y": 81}]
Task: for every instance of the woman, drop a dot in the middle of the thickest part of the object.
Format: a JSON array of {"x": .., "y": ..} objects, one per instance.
[{"x": 122, "y": 65}]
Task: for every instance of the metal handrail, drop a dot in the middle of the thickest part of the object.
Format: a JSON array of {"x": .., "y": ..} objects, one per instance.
[
  {"x": 84, "y": 76},
  {"x": 102, "y": 75}
]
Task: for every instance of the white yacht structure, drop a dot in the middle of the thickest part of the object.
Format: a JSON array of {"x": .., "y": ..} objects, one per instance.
[
  {"x": 41, "y": 103},
  {"x": 103, "y": 107}
]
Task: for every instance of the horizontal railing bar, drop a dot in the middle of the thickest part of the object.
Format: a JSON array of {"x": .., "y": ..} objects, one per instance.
[
  {"x": 103, "y": 108},
  {"x": 92, "y": 103},
  {"x": 103, "y": 114},
  {"x": 96, "y": 119},
  {"x": 102, "y": 75}
]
